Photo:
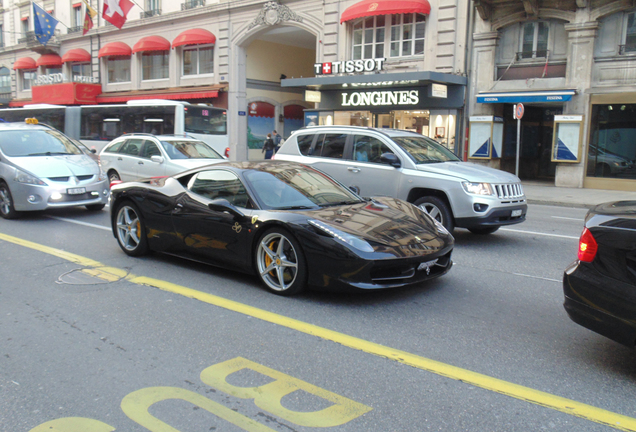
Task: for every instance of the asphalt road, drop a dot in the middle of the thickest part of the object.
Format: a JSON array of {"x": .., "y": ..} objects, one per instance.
[{"x": 92, "y": 340}]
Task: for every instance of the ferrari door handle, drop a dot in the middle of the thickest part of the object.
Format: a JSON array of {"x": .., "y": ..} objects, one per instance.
[{"x": 354, "y": 169}]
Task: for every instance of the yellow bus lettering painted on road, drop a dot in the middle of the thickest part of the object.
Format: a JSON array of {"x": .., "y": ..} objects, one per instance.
[
  {"x": 268, "y": 397},
  {"x": 73, "y": 424}
]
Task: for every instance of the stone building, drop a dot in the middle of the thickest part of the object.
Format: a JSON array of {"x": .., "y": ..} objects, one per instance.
[
  {"x": 572, "y": 65},
  {"x": 402, "y": 63}
]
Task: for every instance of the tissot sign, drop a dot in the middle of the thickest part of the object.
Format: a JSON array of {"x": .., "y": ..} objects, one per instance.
[{"x": 349, "y": 66}]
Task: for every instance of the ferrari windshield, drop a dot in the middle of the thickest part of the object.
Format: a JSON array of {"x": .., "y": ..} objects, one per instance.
[
  {"x": 36, "y": 142},
  {"x": 189, "y": 150},
  {"x": 423, "y": 150},
  {"x": 298, "y": 188}
]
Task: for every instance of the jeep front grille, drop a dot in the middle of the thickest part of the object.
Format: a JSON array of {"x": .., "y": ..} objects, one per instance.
[{"x": 508, "y": 191}]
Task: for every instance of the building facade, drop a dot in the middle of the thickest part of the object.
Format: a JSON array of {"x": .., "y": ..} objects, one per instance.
[
  {"x": 572, "y": 65},
  {"x": 377, "y": 63}
]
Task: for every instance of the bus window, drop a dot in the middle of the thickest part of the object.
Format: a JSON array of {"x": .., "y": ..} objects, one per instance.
[
  {"x": 205, "y": 120},
  {"x": 50, "y": 116},
  {"x": 110, "y": 121}
]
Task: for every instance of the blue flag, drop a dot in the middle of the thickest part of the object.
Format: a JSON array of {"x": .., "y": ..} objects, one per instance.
[{"x": 43, "y": 24}]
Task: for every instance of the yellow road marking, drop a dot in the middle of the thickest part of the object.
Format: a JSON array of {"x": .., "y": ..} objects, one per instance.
[{"x": 568, "y": 406}]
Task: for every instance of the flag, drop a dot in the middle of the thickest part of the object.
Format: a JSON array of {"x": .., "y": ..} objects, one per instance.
[
  {"x": 92, "y": 12},
  {"x": 88, "y": 21},
  {"x": 43, "y": 24},
  {"x": 115, "y": 11}
]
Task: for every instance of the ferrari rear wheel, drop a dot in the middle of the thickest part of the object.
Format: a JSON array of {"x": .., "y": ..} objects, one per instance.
[
  {"x": 280, "y": 262},
  {"x": 7, "y": 209},
  {"x": 131, "y": 230}
]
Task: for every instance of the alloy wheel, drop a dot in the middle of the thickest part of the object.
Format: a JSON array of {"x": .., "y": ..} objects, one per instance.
[{"x": 277, "y": 262}]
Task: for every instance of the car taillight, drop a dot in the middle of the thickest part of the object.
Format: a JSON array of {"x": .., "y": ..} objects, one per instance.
[
  {"x": 587, "y": 246},
  {"x": 227, "y": 152}
]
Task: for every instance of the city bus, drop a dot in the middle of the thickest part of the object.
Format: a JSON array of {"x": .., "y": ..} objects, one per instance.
[{"x": 96, "y": 125}]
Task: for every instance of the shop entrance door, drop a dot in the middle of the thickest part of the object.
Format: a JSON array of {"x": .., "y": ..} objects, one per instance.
[
  {"x": 537, "y": 128},
  {"x": 383, "y": 121}
]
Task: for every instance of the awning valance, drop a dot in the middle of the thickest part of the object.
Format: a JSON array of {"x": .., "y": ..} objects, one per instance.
[
  {"x": 76, "y": 55},
  {"x": 114, "y": 49},
  {"x": 207, "y": 92},
  {"x": 49, "y": 60},
  {"x": 367, "y": 8},
  {"x": 24, "y": 63},
  {"x": 195, "y": 36},
  {"x": 526, "y": 97},
  {"x": 151, "y": 43}
]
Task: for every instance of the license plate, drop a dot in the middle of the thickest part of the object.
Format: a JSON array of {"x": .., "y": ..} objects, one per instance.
[
  {"x": 76, "y": 191},
  {"x": 516, "y": 213}
]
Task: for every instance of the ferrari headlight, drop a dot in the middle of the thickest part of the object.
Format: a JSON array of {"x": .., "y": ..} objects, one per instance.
[
  {"x": 349, "y": 239},
  {"x": 22, "y": 177},
  {"x": 477, "y": 188}
]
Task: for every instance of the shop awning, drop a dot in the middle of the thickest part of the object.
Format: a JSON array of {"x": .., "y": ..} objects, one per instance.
[
  {"x": 294, "y": 112},
  {"x": 367, "y": 8},
  {"x": 151, "y": 43},
  {"x": 76, "y": 55},
  {"x": 114, "y": 49},
  {"x": 195, "y": 36},
  {"x": 526, "y": 97},
  {"x": 206, "y": 92},
  {"x": 24, "y": 63},
  {"x": 49, "y": 60},
  {"x": 261, "y": 109}
]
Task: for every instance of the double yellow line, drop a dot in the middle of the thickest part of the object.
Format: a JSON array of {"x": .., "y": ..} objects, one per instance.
[{"x": 527, "y": 394}]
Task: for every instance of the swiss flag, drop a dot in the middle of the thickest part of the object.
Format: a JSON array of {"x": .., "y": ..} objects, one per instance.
[{"x": 115, "y": 11}]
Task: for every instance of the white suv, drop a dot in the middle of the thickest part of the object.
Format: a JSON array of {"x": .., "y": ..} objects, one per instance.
[
  {"x": 135, "y": 156},
  {"x": 412, "y": 167}
]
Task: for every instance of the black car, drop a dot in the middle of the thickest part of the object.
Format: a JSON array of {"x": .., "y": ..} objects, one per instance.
[
  {"x": 288, "y": 223},
  {"x": 600, "y": 287}
]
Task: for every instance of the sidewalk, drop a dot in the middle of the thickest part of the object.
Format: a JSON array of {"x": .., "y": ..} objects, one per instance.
[{"x": 546, "y": 193}]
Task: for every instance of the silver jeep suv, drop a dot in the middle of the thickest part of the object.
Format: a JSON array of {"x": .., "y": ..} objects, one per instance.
[{"x": 412, "y": 167}]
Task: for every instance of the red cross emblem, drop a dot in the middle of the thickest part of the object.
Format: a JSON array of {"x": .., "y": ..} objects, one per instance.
[{"x": 326, "y": 68}]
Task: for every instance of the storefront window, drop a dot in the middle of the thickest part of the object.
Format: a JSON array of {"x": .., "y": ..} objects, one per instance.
[
  {"x": 154, "y": 65},
  {"x": 352, "y": 118},
  {"x": 118, "y": 69},
  {"x": 81, "y": 69},
  {"x": 612, "y": 149},
  {"x": 198, "y": 60},
  {"x": 399, "y": 35},
  {"x": 28, "y": 76},
  {"x": 5, "y": 80}
]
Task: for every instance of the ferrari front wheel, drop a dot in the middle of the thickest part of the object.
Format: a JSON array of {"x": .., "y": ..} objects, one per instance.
[
  {"x": 131, "y": 229},
  {"x": 280, "y": 262}
]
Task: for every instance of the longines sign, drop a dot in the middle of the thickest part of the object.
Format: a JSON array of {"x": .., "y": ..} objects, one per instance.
[
  {"x": 379, "y": 98},
  {"x": 58, "y": 78}
]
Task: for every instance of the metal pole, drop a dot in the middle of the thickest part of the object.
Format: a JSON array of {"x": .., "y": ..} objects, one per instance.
[{"x": 518, "y": 142}]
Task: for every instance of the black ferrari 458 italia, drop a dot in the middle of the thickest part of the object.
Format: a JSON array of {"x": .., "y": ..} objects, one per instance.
[
  {"x": 288, "y": 223},
  {"x": 600, "y": 287}
]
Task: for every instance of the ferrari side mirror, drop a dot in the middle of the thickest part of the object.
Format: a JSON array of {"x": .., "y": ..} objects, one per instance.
[{"x": 222, "y": 205}]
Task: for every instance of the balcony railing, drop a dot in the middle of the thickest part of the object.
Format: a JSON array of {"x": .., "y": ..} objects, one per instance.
[
  {"x": 149, "y": 13},
  {"x": 75, "y": 29},
  {"x": 524, "y": 55},
  {"x": 625, "y": 49},
  {"x": 27, "y": 37},
  {"x": 191, "y": 4}
]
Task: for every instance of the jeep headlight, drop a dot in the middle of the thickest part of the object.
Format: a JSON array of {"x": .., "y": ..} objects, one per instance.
[
  {"x": 22, "y": 177},
  {"x": 477, "y": 188},
  {"x": 349, "y": 239}
]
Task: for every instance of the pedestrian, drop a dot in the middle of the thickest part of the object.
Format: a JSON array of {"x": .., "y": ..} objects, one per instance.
[
  {"x": 277, "y": 139},
  {"x": 268, "y": 147}
]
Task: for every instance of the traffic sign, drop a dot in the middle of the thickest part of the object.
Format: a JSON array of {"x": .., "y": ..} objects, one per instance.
[{"x": 519, "y": 111}]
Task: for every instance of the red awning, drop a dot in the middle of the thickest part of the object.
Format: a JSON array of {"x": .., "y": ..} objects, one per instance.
[
  {"x": 76, "y": 55},
  {"x": 195, "y": 36},
  {"x": 24, "y": 63},
  {"x": 294, "y": 112},
  {"x": 49, "y": 60},
  {"x": 114, "y": 49},
  {"x": 261, "y": 109},
  {"x": 104, "y": 98},
  {"x": 151, "y": 43},
  {"x": 367, "y": 8}
]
